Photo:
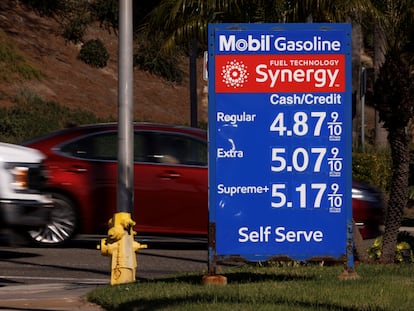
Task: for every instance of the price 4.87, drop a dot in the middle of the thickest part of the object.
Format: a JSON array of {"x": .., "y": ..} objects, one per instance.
[{"x": 302, "y": 124}]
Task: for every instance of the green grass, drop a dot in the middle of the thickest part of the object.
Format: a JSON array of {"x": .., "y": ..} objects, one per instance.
[
  {"x": 255, "y": 288},
  {"x": 13, "y": 64}
]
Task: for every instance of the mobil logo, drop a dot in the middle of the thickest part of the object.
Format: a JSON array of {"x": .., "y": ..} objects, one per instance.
[
  {"x": 280, "y": 73},
  {"x": 229, "y": 43}
]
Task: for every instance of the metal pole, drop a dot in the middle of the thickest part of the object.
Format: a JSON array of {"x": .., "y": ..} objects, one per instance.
[
  {"x": 193, "y": 82},
  {"x": 125, "y": 110},
  {"x": 363, "y": 91},
  {"x": 120, "y": 243}
]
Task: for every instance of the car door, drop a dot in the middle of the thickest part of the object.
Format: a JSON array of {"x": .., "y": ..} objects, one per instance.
[
  {"x": 93, "y": 177},
  {"x": 170, "y": 183}
]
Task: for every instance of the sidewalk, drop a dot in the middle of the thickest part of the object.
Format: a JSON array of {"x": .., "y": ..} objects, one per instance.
[{"x": 56, "y": 296}]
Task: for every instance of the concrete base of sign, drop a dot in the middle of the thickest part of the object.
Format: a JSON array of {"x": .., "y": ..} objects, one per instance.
[
  {"x": 347, "y": 275},
  {"x": 214, "y": 280}
]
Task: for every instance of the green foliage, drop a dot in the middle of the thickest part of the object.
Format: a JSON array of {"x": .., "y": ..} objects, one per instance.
[
  {"x": 74, "y": 29},
  {"x": 411, "y": 192},
  {"x": 148, "y": 57},
  {"x": 373, "y": 168},
  {"x": 31, "y": 116},
  {"x": 394, "y": 92},
  {"x": 106, "y": 12},
  {"x": 74, "y": 17},
  {"x": 45, "y": 7},
  {"x": 403, "y": 251},
  {"x": 13, "y": 64},
  {"x": 94, "y": 53}
]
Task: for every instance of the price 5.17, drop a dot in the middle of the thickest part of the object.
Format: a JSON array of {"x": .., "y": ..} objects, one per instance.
[
  {"x": 300, "y": 160},
  {"x": 313, "y": 192}
]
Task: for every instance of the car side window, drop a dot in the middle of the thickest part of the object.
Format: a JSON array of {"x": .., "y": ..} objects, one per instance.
[
  {"x": 95, "y": 147},
  {"x": 105, "y": 146},
  {"x": 141, "y": 153},
  {"x": 176, "y": 149},
  {"x": 153, "y": 147}
]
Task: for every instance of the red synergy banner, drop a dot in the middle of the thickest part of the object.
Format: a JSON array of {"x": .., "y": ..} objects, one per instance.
[{"x": 284, "y": 73}]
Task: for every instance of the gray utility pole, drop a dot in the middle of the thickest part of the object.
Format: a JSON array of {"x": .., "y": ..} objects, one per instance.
[
  {"x": 193, "y": 82},
  {"x": 363, "y": 92},
  {"x": 125, "y": 200},
  {"x": 120, "y": 243}
]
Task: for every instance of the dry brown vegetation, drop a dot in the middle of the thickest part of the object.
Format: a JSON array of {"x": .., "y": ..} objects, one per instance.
[{"x": 72, "y": 83}]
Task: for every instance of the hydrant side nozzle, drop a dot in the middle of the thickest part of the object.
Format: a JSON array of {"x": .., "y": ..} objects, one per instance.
[{"x": 137, "y": 246}]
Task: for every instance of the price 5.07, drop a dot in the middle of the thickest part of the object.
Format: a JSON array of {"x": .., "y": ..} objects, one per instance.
[{"x": 300, "y": 160}]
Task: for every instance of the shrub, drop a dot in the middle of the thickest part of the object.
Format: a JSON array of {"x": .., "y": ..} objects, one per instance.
[
  {"x": 94, "y": 53},
  {"x": 373, "y": 167},
  {"x": 149, "y": 58},
  {"x": 403, "y": 250},
  {"x": 31, "y": 116},
  {"x": 74, "y": 29},
  {"x": 106, "y": 12},
  {"x": 45, "y": 7}
]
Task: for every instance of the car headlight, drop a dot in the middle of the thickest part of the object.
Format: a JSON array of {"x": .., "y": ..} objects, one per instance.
[
  {"x": 27, "y": 177},
  {"x": 20, "y": 178},
  {"x": 365, "y": 195},
  {"x": 357, "y": 194}
]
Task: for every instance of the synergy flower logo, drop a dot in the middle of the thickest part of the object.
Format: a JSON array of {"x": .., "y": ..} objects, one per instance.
[{"x": 234, "y": 74}]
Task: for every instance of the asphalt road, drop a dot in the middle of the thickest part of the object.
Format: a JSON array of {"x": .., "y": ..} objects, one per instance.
[{"x": 81, "y": 262}]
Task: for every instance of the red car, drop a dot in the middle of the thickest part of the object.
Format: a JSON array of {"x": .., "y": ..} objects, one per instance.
[
  {"x": 170, "y": 188},
  {"x": 367, "y": 209}
]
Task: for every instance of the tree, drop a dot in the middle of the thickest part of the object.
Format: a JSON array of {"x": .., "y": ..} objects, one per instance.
[
  {"x": 184, "y": 24},
  {"x": 394, "y": 94},
  {"x": 393, "y": 20},
  {"x": 394, "y": 99},
  {"x": 354, "y": 11}
]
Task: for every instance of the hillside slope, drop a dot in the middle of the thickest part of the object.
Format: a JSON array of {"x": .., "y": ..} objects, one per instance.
[{"x": 72, "y": 83}]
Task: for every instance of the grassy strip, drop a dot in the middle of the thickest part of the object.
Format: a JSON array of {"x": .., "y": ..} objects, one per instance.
[{"x": 269, "y": 288}]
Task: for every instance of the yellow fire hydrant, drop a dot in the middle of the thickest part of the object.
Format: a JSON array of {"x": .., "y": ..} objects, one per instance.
[{"x": 121, "y": 246}]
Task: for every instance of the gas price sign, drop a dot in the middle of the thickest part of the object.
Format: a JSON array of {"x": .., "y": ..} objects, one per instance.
[{"x": 280, "y": 139}]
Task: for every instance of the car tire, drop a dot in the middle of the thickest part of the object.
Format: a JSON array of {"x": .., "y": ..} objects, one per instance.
[{"x": 62, "y": 226}]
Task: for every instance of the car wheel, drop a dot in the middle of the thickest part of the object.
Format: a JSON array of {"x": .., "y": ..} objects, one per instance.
[{"x": 62, "y": 225}]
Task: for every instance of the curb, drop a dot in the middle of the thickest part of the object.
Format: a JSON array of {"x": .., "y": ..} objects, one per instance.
[{"x": 52, "y": 296}]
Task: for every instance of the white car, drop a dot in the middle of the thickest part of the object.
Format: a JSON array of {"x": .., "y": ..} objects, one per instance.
[{"x": 23, "y": 206}]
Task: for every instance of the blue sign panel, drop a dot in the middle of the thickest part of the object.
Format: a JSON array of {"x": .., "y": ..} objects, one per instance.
[{"x": 280, "y": 139}]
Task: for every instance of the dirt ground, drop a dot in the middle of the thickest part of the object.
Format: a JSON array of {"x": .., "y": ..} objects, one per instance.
[{"x": 72, "y": 83}]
